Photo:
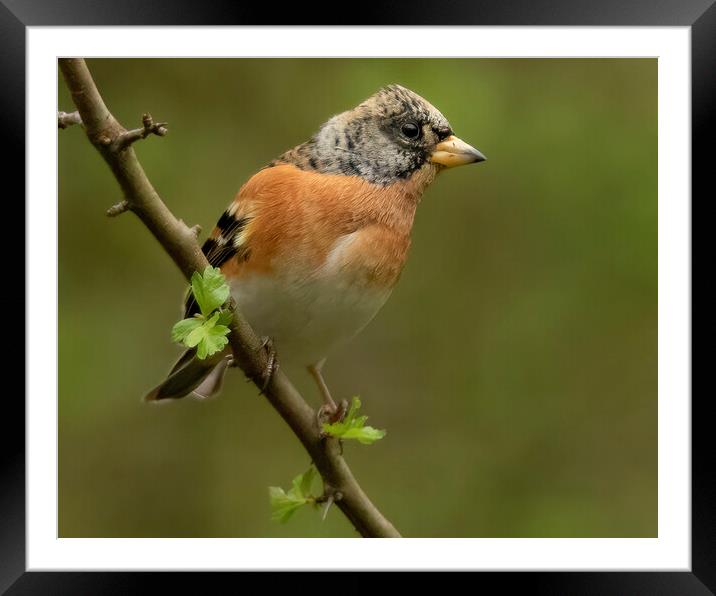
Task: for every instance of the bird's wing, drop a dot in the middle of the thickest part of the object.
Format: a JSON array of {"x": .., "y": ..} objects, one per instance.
[{"x": 229, "y": 239}]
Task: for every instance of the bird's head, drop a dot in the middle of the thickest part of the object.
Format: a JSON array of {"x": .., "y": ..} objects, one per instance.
[{"x": 387, "y": 138}]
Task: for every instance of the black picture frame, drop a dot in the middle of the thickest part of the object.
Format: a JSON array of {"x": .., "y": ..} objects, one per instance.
[{"x": 700, "y": 15}]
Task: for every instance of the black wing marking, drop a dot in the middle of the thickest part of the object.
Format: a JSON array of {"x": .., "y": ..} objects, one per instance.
[{"x": 219, "y": 248}]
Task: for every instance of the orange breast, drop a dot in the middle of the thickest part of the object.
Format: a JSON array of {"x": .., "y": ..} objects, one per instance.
[{"x": 298, "y": 217}]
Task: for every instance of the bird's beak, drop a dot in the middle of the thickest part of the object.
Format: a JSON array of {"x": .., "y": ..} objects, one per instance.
[{"x": 455, "y": 152}]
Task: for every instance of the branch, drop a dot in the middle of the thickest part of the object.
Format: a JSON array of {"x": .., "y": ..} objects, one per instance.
[{"x": 180, "y": 242}]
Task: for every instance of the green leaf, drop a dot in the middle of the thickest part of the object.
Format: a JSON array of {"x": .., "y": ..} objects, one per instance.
[
  {"x": 365, "y": 435},
  {"x": 183, "y": 328},
  {"x": 302, "y": 484},
  {"x": 206, "y": 332},
  {"x": 282, "y": 505},
  {"x": 207, "y": 336},
  {"x": 225, "y": 317},
  {"x": 353, "y": 427},
  {"x": 285, "y": 504},
  {"x": 210, "y": 289}
]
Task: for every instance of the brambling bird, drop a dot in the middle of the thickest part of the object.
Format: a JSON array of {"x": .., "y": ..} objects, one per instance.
[{"x": 314, "y": 243}]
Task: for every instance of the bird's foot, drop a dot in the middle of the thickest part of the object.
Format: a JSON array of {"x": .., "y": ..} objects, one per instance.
[
  {"x": 264, "y": 378},
  {"x": 271, "y": 363}
]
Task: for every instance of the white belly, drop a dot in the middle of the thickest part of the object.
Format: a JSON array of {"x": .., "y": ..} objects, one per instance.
[{"x": 307, "y": 318}]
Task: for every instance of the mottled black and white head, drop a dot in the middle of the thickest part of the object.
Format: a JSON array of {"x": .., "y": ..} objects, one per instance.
[{"x": 387, "y": 138}]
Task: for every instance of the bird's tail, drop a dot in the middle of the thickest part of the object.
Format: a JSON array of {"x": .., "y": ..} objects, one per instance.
[{"x": 204, "y": 378}]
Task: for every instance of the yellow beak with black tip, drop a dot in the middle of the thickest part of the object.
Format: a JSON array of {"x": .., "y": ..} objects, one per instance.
[{"x": 454, "y": 152}]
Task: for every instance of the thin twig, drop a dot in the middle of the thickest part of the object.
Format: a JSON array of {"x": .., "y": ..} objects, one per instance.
[
  {"x": 180, "y": 243},
  {"x": 149, "y": 127},
  {"x": 118, "y": 209},
  {"x": 329, "y": 497},
  {"x": 64, "y": 119}
]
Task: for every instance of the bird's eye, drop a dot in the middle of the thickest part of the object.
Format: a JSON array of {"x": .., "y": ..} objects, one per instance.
[{"x": 410, "y": 130}]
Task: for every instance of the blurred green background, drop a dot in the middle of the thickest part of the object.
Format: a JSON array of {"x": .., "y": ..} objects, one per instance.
[{"x": 515, "y": 366}]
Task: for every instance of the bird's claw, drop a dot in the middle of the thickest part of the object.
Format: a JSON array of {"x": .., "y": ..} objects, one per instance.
[
  {"x": 271, "y": 364},
  {"x": 264, "y": 378}
]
